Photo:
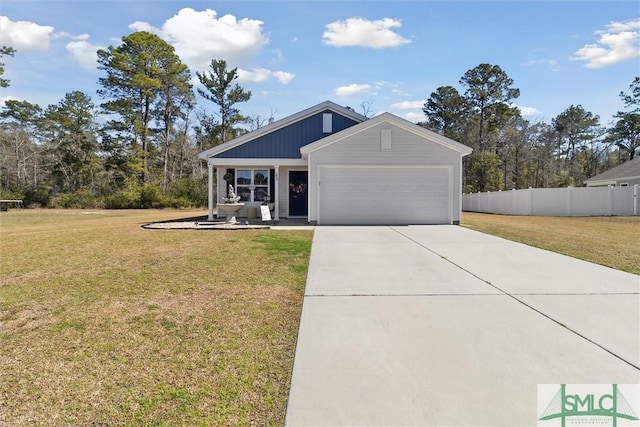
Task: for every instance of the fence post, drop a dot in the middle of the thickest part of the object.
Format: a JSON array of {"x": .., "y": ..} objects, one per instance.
[
  {"x": 635, "y": 199},
  {"x": 568, "y": 201},
  {"x": 610, "y": 195},
  {"x": 530, "y": 201}
]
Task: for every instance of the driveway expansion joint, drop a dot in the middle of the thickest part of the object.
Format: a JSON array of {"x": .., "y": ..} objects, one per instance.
[{"x": 513, "y": 296}]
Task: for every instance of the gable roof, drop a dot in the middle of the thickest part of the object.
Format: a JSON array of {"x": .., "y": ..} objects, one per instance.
[
  {"x": 279, "y": 124},
  {"x": 393, "y": 120},
  {"x": 627, "y": 170}
]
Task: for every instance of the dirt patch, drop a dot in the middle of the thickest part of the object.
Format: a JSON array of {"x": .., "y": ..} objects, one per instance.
[{"x": 24, "y": 319}]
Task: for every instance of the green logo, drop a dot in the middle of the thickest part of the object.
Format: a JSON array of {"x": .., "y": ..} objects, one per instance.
[{"x": 590, "y": 406}]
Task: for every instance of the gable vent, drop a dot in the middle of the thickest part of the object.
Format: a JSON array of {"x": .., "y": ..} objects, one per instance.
[
  {"x": 385, "y": 139},
  {"x": 327, "y": 123}
]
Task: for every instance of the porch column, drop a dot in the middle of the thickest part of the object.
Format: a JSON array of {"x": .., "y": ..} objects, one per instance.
[
  {"x": 219, "y": 179},
  {"x": 276, "y": 200},
  {"x": 210, "y": 190}
]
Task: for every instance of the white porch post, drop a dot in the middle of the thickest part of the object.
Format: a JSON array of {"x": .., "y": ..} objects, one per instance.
[
  {"x": 216, "y": 193},
  {"x": 276, "y": 186},
  {"x": 210, "y": 191}
]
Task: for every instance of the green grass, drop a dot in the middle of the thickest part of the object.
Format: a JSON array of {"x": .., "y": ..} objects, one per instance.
[
  {"x": 609, "y": 241},
  {"x": 104, "y": 322}
]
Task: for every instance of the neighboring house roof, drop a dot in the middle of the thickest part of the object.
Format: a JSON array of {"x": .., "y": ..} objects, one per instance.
[
  {"x": 234, "y": 147},
  {"x": 627, "y": 170},
  {"x": 391, "y": 119}
]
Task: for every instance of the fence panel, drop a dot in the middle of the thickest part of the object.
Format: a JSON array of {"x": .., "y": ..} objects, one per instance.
[
  {"x": 583, "y": 201},
  {"x": 587, "y": 201},
  {"x": 623, "y": 200},
  {"x": 549, "y": 201}
]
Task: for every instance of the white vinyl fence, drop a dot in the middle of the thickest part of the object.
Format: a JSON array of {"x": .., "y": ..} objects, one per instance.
[{"x": 583, "y": 201}]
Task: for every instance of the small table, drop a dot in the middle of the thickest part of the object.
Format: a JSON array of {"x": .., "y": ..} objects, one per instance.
[{"x": 6, "y": 203}]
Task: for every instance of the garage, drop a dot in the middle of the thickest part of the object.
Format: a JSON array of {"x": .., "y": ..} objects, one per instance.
[
  {"x": 385, "y": 171},
  {"x": 383, "y": 194}
]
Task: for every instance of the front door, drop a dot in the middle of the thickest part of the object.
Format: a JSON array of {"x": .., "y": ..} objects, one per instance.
[{"x": 298, "y": 193}]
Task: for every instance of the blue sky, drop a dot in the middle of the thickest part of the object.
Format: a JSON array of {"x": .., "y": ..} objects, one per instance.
[{"x": 295, "y": 54}]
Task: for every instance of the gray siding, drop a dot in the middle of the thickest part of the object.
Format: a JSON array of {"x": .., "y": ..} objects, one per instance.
[
  {"x": 407, "y": 149},
  {"x": 629, "y": 182},
  {"x": 285, "y": 143}
]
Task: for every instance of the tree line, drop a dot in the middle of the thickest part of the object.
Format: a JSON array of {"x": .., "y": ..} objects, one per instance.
[
  {"x": 511, "y": 152},
  {"x": 139, "y": 146},
  {"x": 137, "y": 149}
]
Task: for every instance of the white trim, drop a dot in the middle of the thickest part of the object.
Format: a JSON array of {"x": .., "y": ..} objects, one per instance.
[
  {"x": 210, "y": 190},
  {"x": 601, "y": 183},
  {"x": 326, "y": 105},
  {"x": 327, "y": 123},
  {"x": 217, "y": 161},
  {"x": 393, "y": 120},
  {"x": 611, "y": 181},
  {"x": 449, "y": 169},
  {"x": 276, "y": 190},
  {"x": 252, "y": 185}
]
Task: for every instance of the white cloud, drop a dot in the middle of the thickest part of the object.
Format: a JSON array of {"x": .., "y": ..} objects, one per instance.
[
  {"x": 283, "y": 76},
  {"x": 618, "y": 42},
  {"x": 399, "y": 92},
  {"x": 261, "y": 75},
  {"x": 4, "y": 99},
  {"x": 528, "y": 111},
  {"x": 84, "y": 53},
  {"x": 551, "y": 63},
  {"x": 415, "y": 117},
  {"x": 25, "y": 36},
  {"x": 278, "y": 56},
  {"x": 352, "y": 89},
  {"x": 408, "y": 105},
  {"x": 361, "y": 32},
  {"x": 258, "y": 75},
  {"x": 201, "y": 36}
]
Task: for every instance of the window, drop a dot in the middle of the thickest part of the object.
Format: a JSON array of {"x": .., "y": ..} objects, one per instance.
[{"x": 252, "y": 185}]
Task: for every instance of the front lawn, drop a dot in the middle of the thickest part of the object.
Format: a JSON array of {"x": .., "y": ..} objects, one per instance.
[
  {"x": 103, "y": 322},
  {"x": 613, "y": 241}
]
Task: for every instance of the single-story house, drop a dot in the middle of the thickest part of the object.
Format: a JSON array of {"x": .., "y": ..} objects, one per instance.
[
  {"x": 331, "y": 165},
  {"x": 626, "y": 174}
]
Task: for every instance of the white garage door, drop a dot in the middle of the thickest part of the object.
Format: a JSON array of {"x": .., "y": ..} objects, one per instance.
[{"x": 384, "y": 195}]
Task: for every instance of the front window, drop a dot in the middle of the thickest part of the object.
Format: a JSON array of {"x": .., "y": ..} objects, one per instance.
[{"x": 252, "y": 185}]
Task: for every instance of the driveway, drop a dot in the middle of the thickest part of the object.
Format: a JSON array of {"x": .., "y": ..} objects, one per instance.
[{"x": 442, "y": 325}]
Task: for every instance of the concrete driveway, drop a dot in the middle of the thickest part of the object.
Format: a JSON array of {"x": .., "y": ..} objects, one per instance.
[{"x": 441, "y": 325}]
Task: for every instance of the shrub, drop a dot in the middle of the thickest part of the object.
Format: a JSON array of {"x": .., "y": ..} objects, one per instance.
[
  {"x": 80, "y": 199},
  {"x": 151, "y": 197},
  {"x": 190, "y": 192},
  {"x": 37, "y": 197},
  {"x": 121, "y": 200},
  {"x": 7, "y": 194}
]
